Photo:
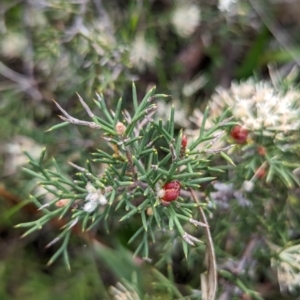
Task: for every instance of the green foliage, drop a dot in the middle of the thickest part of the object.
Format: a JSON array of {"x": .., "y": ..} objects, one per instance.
[
  {"x": 107, "y": 182},
  {"x": 132, "y": 176}
]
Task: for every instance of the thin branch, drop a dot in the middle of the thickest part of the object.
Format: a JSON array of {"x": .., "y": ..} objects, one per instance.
[
  {"x": 214, "y": 151},
  {"x": 73, "y": 120},
  {"x": 173, "y": 152},
  {"x": 224, "y": 122},
  {"x": 147, "y": 119},
  {"x": 127, "y": 116},
  {"x": 197, "y": 223},
  {"x": 78, "y": 167},
  {"x": 190, "y": 239},
  {"x": 80, "y": 122},
  {"x": 87, "y": 109}
]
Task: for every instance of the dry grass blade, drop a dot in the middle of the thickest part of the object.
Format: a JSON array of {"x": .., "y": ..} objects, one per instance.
[{"x": 208, "y": 280}]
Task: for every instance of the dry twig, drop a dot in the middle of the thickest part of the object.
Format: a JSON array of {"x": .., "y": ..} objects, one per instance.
[
  {"x": 72, "y": 120},
  {"x": 208, "y": 280}
]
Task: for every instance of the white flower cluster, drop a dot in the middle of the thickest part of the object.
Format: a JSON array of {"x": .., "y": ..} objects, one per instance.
[
  {"x": 185, "y": 18},
  {"x": 142, "y": 53},
  {"x": 93, "y": 199},
  {"x": 257, "y": 106}
]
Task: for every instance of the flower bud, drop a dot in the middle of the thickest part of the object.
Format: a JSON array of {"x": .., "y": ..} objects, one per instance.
[
  {"x": 171, "y": 195},
  {"x": 239, "y": 134},
  {"x": 260, "y": 173},
  {"x": 120, "y": 128},
  {"x": 183, "y": 141},
  {"x": 170, "y": 191},
  {"x": 248, "y": 186},
  {"x": 175, "y": 184},
  {"x": 62, "y": 202},
  {"x": 261, "y": 150}
]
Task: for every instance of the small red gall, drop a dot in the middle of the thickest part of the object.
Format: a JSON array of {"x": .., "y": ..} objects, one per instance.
[
  {"x": 261, "y": 150},
  {"x": 170, "y": 191},
  {"x": 239, "y": 134},
  {"x": 171, "y": 195},
  {"x": 184, "y": 141},
  {"x": 175, "y": 184},
  {"x": 164, "y": 203},
  {"x": 260, "y": 173}
]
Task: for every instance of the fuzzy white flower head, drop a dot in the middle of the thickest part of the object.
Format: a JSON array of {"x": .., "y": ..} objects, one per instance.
[
  {"x": 185, "y": 18},
  {"x": 248, "y": 186},
  {"x": 143, "y": 53},
  {"x": 93, "y": 198},
  {"x": 259, "y": 106}
]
